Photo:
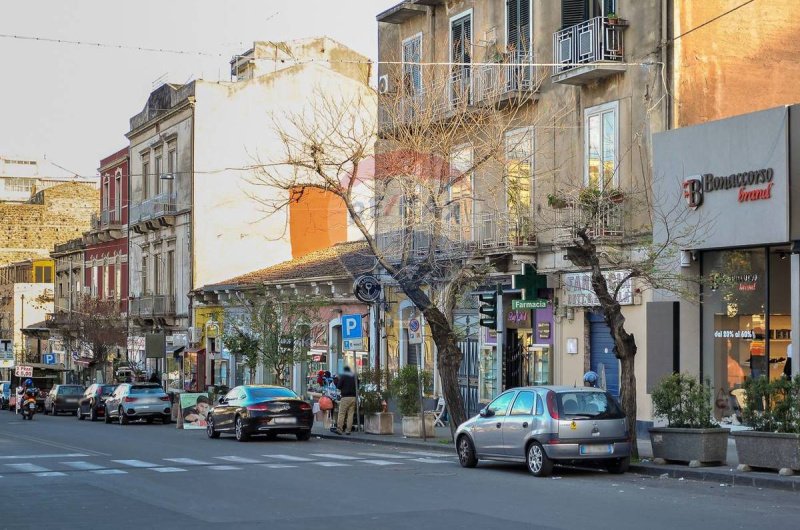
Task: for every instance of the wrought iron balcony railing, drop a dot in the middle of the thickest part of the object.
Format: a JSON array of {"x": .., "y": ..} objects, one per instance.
[
  {"x": 514, "y": 75},
  {"x": 161, "y": 205},
  {"x": 603, "y": 222},
  {"x": 595, "y": 41},
  {"x": 149, "y": 306}
]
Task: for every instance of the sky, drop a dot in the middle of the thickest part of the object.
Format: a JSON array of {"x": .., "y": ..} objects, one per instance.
[{"x": 70, "y": 104}]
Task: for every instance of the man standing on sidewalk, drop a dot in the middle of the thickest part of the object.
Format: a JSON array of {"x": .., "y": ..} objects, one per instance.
[{"x": 347, "y": 404}]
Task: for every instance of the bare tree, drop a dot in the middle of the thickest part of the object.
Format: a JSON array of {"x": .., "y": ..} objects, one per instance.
[{"x": 425, "y": 183}]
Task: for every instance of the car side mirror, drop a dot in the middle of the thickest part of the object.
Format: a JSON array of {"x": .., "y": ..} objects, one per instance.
[
  {"x": 222, "y": 401},
  {"x": 486, "y": 413}
]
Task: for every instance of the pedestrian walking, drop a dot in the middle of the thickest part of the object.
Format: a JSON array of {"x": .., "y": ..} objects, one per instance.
[{"x": 347, "y": 404}]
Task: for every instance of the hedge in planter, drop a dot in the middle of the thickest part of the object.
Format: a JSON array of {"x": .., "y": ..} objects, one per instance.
[
  {"x": 406, "y": 390},
  {"x": 690, "y": 435},
  {"x": 772, "y": 410}
]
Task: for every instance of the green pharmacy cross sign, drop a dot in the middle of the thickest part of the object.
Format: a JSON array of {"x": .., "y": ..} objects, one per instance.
[{"x": 529, "y": 282}]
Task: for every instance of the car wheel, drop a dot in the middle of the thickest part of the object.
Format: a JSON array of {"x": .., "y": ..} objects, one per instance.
[
  {"x": 241, "y": 435},
  {"x": 303, "y": 436},
  {"x": 466, "y": 452},
  {"x": 75, "y": 413},
  {"x": 210, "y": 428},
  {"x": 123, "y": 418},
  {"x": 619, "y": 465},
  {"x": 538, "y": 462},
  {"x": 166, "y": 419},
  {"x": 93, "y": 414},
  {"x": 78, "y": 414},
  {"x": 106, "y": 416}
]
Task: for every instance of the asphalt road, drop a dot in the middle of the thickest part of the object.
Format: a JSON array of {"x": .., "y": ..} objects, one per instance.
[{"x": 63, "y": 473}]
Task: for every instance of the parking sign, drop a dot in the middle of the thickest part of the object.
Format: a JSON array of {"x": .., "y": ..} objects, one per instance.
[
  {"x": 352, "y": 332},
  {"x": 49, "y": 358}
]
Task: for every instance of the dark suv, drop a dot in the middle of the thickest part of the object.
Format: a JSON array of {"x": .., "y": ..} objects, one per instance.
[
  {"x": 93, "y": 402},
  {"x": 63, "y": 398}
]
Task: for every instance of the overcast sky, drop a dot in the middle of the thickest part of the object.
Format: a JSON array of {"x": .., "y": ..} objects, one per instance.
[{"x": 71, "y": 104}]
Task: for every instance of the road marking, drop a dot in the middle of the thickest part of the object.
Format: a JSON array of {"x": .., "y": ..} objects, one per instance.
[
  {"x": 83, "y": 466},
  {"x": 110, "y": 472},
  {"x": 426, "y": 453},
  {"x": 135, "y": 463},
  {"x": 25, "y": 457},
  {"x": 239, "y": 459},
  {"x": 188, "y": 461},
  {"x": 276, "y": 466},
  {"x": 167, "y": 469},
  {"x": 431, "y": 460},
  {"x": 384, "y": 455},
  {"x": 51, "y": 474},
  {"x": 27, "y": 468},
  {"x": 54, "y": 444},
  {"x": 329, "y": 464},
  {"x": 290, "y": 458},
  {"x": 224, "y": 468},
  {"x": 335, "y": 456},
  {"x": 381, "y": 462}
]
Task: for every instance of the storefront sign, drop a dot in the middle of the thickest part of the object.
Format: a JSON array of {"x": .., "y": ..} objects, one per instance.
[
  {"x": 695, "y": 188},
  {"x": 6, "y": 353},
  {"x": 734, "y": 334},
  {"x": 194, "y": 410},
  {"x": 367, "y": 288},
  {"x": 539, "y": 303},
  {"x": 579, "y": 292},
  {"x": 23, "y": 371},
  {"x": 516, "y": 319},
  {"x": 543, "y": 328}
]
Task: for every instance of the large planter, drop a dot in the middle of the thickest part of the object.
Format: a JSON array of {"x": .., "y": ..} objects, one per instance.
[
  {"x": 697, "y": 446},
  {"x": 768, "y": 449},
  {"x": 379, "y": 423},
  {"x": 412, "y": 426}
]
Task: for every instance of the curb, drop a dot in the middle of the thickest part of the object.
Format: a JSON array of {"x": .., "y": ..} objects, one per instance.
[
  {"x": 378, "y": 441},
  {"x": 733, "y": 478}
]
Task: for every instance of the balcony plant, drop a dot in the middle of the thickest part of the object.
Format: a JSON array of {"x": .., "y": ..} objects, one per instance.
[
  {"x": 405, "y": 388},
  {"x": 614, "y": 20},
  {"x": 772, "y": 409},
  {"x": 691, "y": 435},
  {"x": 373, "y": 404}
]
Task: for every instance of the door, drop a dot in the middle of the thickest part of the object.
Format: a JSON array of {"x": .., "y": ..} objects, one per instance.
[
  {"x": 113, "y": 401},
  {"x": 487, "y": 433},
  {"x": 224, "y": 412},
  {"x": 602, "y": 358},
  {"x": 518, "y": 424},
  {"x": 468, "y": 375},
  {"x": 540, "y": 365}
]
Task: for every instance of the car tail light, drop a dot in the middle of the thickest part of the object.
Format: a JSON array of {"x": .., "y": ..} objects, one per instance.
[
  {"x": 129, "y": 399},
  {"x": 259, "y": 407},
  {"x": 305, "y": 406},
  {"x": 552, "y": 407},
  {"x": 164, "y": 398}
]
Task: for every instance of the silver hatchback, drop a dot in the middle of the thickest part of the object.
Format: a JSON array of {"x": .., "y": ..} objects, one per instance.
[
  {"x": 545, "y": 425},
  {"x": 131, "y": 401}
]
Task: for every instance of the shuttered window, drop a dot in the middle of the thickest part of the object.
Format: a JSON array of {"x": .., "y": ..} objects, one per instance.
[
  {"x": 573, "y": 12},
  {"x": 518, "y": 13},
  {"x": 461, "y": 37},
  {"x": 412, "y": 72}
]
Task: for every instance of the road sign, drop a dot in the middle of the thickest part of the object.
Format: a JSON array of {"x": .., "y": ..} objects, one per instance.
[
  {"x": 23, "y": 371},
  {"x": 49, "y": 358},
  {"x": 6, "y": 353},
  {"x": 539, "y": 303},
  {"x": 414, "y": 331},
  {"x": 352, "y": 332}
]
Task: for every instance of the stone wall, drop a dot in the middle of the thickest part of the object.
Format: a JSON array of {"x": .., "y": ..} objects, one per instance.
[{"x": 31, "y": 230}]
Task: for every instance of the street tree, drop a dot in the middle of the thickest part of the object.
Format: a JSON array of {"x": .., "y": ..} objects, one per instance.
[{"x": 415, "y": 167}]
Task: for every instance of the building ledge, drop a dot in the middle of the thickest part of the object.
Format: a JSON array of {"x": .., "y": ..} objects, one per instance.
[
  {"x": 585, "y": 74},
  {"x": 401, "y": 13}
]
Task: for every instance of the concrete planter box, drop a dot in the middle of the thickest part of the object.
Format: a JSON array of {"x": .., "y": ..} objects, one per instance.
[
  {"x": 768, "y": 449},
  {"x": 697, "y": 446},
  {"x": 379, "y": 423},
  {"x": 412, "y": 426}
]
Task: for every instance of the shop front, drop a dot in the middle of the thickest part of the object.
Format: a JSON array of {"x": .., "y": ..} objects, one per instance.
[{"x": 733, "y": 178}]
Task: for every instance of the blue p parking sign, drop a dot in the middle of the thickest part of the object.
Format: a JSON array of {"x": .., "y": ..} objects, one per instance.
[
  {"x": 352, "y": 332},
  {"x": 49, "y": 358}
]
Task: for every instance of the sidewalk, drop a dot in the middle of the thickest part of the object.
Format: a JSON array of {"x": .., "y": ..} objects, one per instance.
[{"x": 721, "y": 475}]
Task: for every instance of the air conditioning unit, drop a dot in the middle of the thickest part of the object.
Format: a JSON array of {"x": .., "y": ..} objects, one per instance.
[{"x": 383, "y": 84}]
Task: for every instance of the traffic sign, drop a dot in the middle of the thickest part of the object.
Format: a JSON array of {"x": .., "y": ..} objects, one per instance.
[
  {"x": 414, "y": 331},
  {"x": 6, "y": 353},
  {"x": 352, "y": 333},
  {"x": 23, "y": 371},
  {"x": 49, "y": 358}
]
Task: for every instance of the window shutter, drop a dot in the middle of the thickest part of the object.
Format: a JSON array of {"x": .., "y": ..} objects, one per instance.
[
  {"x": 574, "y": 12},
  {"x": 609, "y": 6},
  {"x": 461, "y": 30},
  {"x": 456, "y": 37},
  {"x": 524, "y": 26},
  {"x": 467, "y": 39},
  {"x": 512, "y": 10}
]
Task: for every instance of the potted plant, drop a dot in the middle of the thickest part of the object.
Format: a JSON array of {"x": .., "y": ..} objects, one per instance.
[
  {"x": 691, "y": 435},
  {"x": 373, "y": 406},
  {"x": 614, "y": 20},
  {"x": 556, "y": 200},
  {"x": 772, "y": 410},
  {"x": 405, "y": 388},
  {"x": 614, "y": 195}
]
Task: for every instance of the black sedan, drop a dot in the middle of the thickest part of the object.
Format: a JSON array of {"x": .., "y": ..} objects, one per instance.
[
  {"x": 260, "y": 409},
  {"x": 92, "y": 403}
]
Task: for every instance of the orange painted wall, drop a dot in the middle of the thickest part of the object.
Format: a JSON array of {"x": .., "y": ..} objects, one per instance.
[
  {"x": 746, "y": 61},
  {"x": 317, "y": 220}
]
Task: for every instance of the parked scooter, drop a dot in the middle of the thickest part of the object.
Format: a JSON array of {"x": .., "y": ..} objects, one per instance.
[{"x": 29, "y": 405}]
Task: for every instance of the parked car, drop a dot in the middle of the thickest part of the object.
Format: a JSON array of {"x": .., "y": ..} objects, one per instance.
[
  {"x": 63, "y": 398},
  {"x": 260, "y": 409},
  {"x": 543, "y": 426},
  {"x": 93, "y": 401},
  {"x": 133, "y": 401},
  {"x": 5, "y": 394}
]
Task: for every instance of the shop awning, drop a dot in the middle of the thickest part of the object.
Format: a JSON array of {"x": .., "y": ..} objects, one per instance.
[
  {"x": 175, "y": 350},
  {"x": 195, "y": 350}
]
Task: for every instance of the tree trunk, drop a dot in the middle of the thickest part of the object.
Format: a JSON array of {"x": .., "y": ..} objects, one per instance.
[{"x": 627, "y": 396}]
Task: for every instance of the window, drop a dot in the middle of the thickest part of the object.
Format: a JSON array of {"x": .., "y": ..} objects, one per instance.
[
  {"x": 157, "y": 273},
  {"x": 145, "y": 180},
  {"x": 106, "y": 191},
  {"x": 500, "y": 405},
  {"x": 117, "y": 281},
  {"x": 519, "y": 172},
  {"x": 170, "y": 273},
  {"x": 539, "y": 407},
  {"x": 601, "y": 138},
  {"x": 412, "y": 70},
  {"x": 95, "y": 273},
  {"x": 460, "y": 191},
  {"x": 145, "y": 286},
  {"x": 38, "y": 274},
  {"x": 104, "y": 294},
  {"x": 576, "y": 11},
  {"x": 599, "y": 405},
  {"x": 158, "y": 172},
  {"x": 523, "y": 405},
  {"x": 460, "y": 56},
  {"x": 118, "y": 196},
  {"x": 172, "y": 165},
  {"x": 518, "y": 27}
]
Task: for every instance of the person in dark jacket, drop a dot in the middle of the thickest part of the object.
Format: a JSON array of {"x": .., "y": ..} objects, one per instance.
[{"x": 347, "y": 404}]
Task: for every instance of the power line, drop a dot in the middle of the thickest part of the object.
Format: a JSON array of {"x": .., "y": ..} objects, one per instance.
[
  {"x": 707, "y": 22},
  {"x": 107, "y": 45}
]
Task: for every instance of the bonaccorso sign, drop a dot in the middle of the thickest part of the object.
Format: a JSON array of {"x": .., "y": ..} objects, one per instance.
[
  {"x": 578, "y": 291},
  {"x": 753, "y": 185}
]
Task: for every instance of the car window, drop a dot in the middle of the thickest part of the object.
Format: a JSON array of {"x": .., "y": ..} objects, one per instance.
[
  {"x": 268, "y": 393},
  {"x": 146, "y": 389},
  {"x": 523, "y": 405},
  {"x": 233, "y": 394},
  {"x": 594, "y": 405},
  {"x": 70, "y": 390},
  {"x": 500, "y": 405},
  {"x": 107, "y": 390},
  {"x": 539, "y": 406}
]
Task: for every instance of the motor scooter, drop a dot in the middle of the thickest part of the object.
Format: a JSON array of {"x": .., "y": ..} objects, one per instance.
[{"x": 28, "y": 408}]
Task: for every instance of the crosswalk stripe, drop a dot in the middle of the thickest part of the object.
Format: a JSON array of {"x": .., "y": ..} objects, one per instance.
[
  {"x": 238, "y": 459},
  {"x": 188, "y": 461},
  {"x": 290, "y": 458},
  {"x": 224, "y": 468},
  {"x": 381, "y": 462},
  {"x": 26, "y": 457},
  {"x": 385, "y": 455},
  {"x": 51, "y": 474},
  {"x": 329, "y": 464},
  {"x": 135, "y": 463},
  {"x": 335, "y": 456},
  {"x": 427, "y": 453},
  {"x": 109, "y": 472},
  {"x": 27, "y": 468},
  {"x": 83, "y": 466},
  {"x": 167, "y": 469},
  {"x": 277, "y": 466},
  {"x": 430, "y": 460}
]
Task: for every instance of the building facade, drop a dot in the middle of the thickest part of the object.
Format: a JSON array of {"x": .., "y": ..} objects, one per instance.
[{"x": 21, "y": 178}]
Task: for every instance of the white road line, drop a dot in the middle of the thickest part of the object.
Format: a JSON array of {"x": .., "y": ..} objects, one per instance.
[
  {"x": 239, "y": 459},
  {"x": 167, "y": 469},
  {"x": 385, "y": 455},
  {"x": 25, "y": 457},
  {"x": 135, "y": 463},
  {"x": 329, "y": 464},
  {"x": 381, "y": 462},
  {"x": 188, "y": 461},
  {"x": 224, "y": 468},
  {"x": 110, "y": 472},
  {"x": 431, "y": 460},
  {"x": 335, "y": 456},
  {"x": 51, "y": 474},
  {"x": 83, "y": 466},
  {"x": 276, "y": 466},
  {"x": 27, "y": 468},
  {"x": 427, "y": 453},
  {"x": 290, "y": 458}
]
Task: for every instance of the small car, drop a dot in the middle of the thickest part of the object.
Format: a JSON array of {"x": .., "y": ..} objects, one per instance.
[
  {"x": 260, "y": 409},
  {"x": 547, "y": 425},
  {"x": 93, "y": 401},
  {"x": 63, "y": 398},
  {"x": 133, "y": 401},
  {"x": 5, "y": 394}
]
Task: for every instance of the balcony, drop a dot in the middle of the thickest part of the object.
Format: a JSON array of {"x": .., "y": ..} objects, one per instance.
[
  {"x": 604, "y": 226},
  {"x": 588, "y": 51},
  {"x": 513, "y": 79},
  {"x": 105, "y": 227},
  {"x": 153, "y": 213},
  {"x": 501, "y": 232},
  {"x": 152, "y": 307}
]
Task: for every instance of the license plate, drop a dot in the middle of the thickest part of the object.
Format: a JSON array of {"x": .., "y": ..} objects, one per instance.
[
  {"x": 604, "y": 449},
  {"x": 283, "y": 421}
]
